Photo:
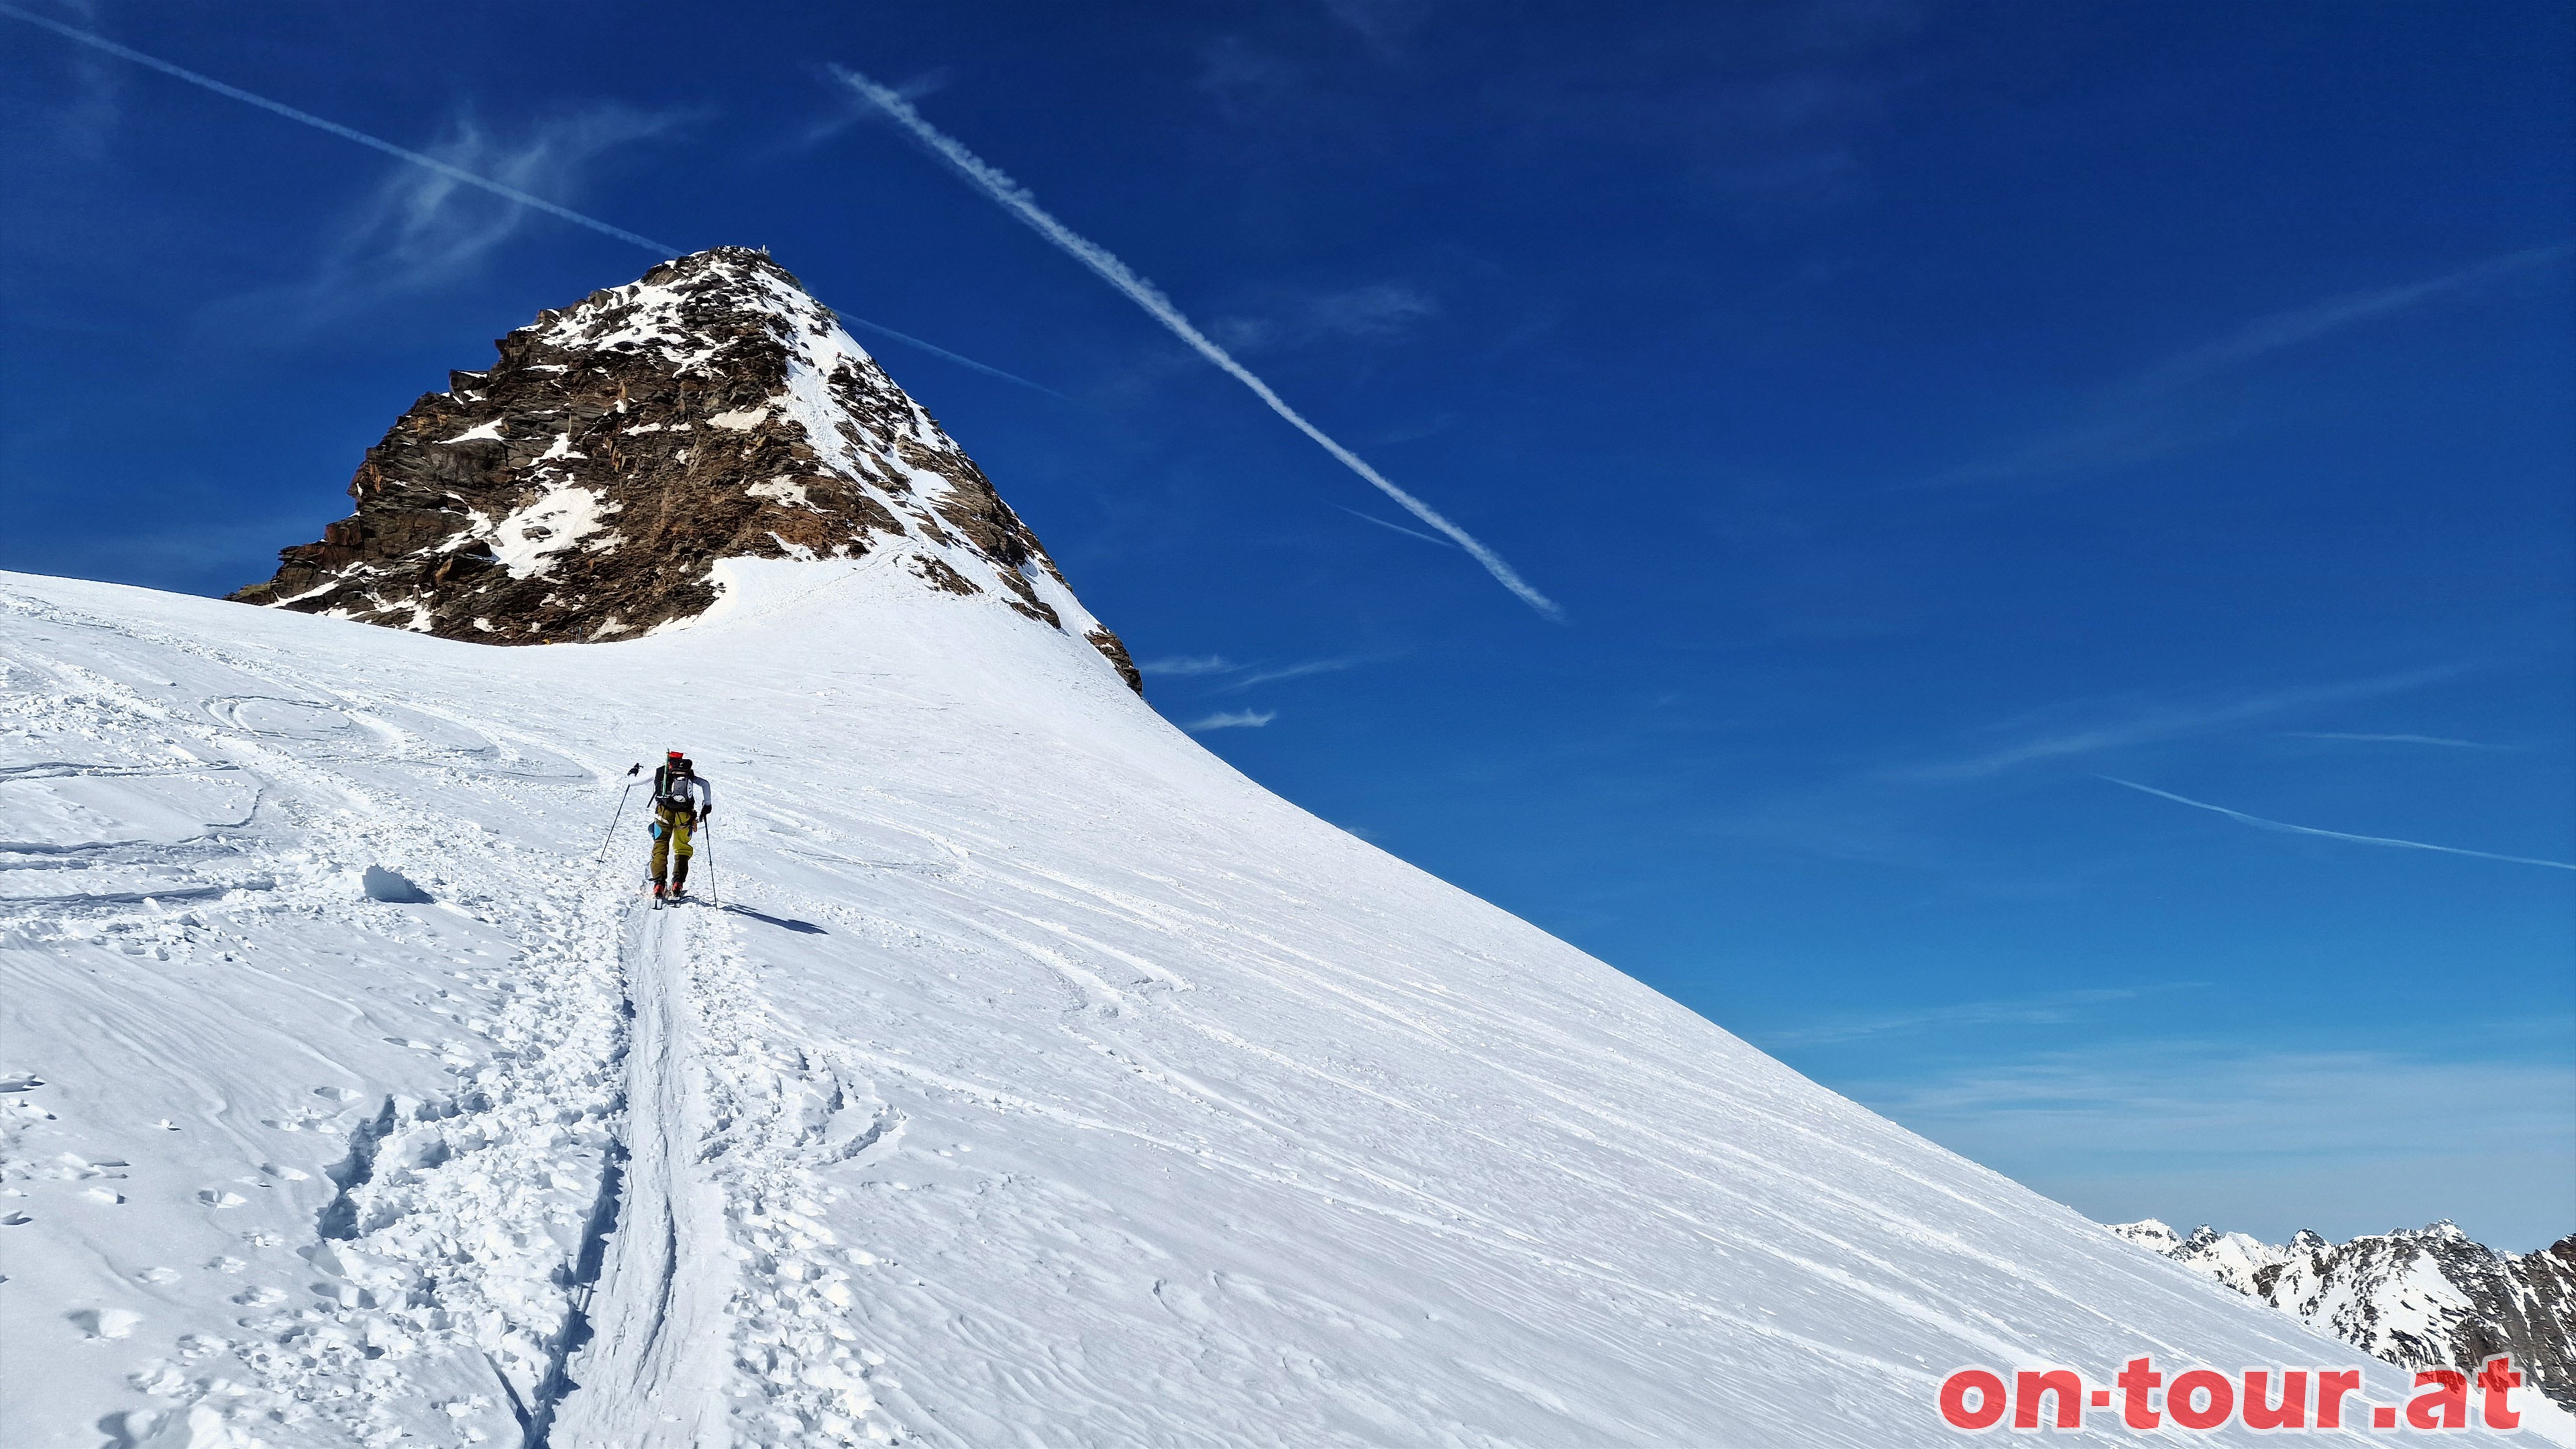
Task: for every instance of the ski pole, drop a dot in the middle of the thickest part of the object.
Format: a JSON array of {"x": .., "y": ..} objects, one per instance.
[
  {"x": 631, "y": 772},
  {"x": 706, "y": 834}
]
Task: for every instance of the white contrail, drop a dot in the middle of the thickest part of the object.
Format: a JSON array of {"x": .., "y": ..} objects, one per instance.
[
  {"x": 1016, "y": 199},
  {"x": 2261, "y": 823},
  {"x": 451, "y": 172},
  {"x": 1395, "y": 527}
]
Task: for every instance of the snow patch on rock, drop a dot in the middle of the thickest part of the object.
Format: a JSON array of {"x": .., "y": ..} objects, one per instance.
[{"x": 527, "y": 541}]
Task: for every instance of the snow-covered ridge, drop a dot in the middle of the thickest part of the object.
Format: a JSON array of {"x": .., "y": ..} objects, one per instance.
[
  {"x": 713, "y": 410},
  {"x": 2426, "y": 1297},
  {"x": 1041, "y": 1081}
]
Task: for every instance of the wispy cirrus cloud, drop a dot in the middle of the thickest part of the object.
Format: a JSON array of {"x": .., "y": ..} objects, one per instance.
[
  {"x": 1294, "y": 671},
  {"x": 1385, "y": 24},
  {"x": 2440, "y": 741},
  {"x": 448, "y": 170},
  {"x": 2300, "y": 325},
  {"x": 1232, "y": 719},
  {"x": 1187, "y": 665},
  {"x": 1247, "y": 83},
  {"x": 424, "y": 226},
  {"x": 2267, "y": 1142},
  {"x": 1245, "y": 675},
  {"x": 2045, "y": 1009},
  {"x": 347, "y": 133},
  {"x": 97, "y": 106},
  {"x": 2261, "y": 823},
  {"x": 2115, "y": 725},
  {"x": 2149, "y": 413},
  {"x": 1379, "y": 312}
]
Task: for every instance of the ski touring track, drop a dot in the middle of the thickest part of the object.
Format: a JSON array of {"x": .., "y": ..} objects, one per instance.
[
  {"x": 602, "y": 1234},
  {"x": 717, "y": 1127},
  {"x": 703, "y": 1304},
  {"x": 652, "y": 1317}
]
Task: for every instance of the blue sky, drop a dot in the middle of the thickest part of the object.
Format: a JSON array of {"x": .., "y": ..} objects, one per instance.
[{"x": 1926, "y": 416}]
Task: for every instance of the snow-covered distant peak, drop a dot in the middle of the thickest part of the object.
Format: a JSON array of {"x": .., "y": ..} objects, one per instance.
[
  {"x": 2147, "y": 1232},
  {"x": 586, "y": 486},
  {"x": 2429, "y": 1297},
  {"x": 2235, "y": 1259}
]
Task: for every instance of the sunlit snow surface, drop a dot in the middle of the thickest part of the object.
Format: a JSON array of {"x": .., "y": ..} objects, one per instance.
[{"x": 1040, "y": 1082}]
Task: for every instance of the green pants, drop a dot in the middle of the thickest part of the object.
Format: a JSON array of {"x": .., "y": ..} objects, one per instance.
[{"x": 671, "y": 829}]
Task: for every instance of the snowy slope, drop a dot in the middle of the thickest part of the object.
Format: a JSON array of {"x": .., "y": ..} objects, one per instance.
[{"x": 1041, "y": 1081}]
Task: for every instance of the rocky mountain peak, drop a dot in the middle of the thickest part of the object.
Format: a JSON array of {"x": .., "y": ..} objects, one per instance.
[
  {"x": 584, "y": 486},
  {"x": 2430, "y": 1297}
]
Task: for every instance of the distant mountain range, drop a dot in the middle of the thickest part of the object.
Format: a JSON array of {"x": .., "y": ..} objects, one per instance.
[{"x": 2419, "y": 1298}]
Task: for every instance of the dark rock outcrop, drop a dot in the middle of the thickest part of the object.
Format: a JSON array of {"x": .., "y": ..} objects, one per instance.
[
  {"x": 583, "y": 488},
  {"x": 2418, "y": 1298}
]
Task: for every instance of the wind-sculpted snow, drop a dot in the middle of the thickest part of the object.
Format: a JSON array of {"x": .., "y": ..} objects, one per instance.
[{"x": 1039, "y": 1081}]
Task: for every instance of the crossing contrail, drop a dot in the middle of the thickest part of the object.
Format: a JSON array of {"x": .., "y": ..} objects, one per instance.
[
  {"x": 451, "y": 172},
  {"x": 1016, "y": 199},
  {"x": 1395, "y": 527},
  {"x": 2260, "y": 823}
]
